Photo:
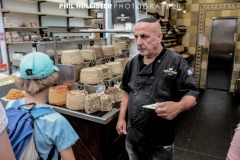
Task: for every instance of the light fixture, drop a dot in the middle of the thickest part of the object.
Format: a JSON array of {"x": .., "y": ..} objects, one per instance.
[
  {"x": 164, "y": 2},
  {"x": 184, "y": 9}
]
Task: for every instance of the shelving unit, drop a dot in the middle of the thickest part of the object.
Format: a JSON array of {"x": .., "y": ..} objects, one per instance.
[
  {"x": 48, "y": 16},
  {"x": 170, "y": 36}
]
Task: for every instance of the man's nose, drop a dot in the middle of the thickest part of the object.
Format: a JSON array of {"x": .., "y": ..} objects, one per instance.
[{"x": 139, "y": 41}]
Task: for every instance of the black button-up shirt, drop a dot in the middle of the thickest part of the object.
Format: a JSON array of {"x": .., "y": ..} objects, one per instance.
[{"x": 167, "y": 78}]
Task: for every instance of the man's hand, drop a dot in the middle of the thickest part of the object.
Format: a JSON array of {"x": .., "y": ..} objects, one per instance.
[
  {"x": 121, "y": 127},
  {"x": 168, "y": 110}
]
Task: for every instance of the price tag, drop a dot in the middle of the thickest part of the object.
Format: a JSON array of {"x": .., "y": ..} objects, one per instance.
[
  {"x": 80, "y": 46},
  {"x": 100, "y": 89},
  {"x": 91, "y": 43}
]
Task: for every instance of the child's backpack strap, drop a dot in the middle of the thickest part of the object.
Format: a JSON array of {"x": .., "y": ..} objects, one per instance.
[
  {"x": 38, "y": 112},
  {"x": 16, "y": 104}
]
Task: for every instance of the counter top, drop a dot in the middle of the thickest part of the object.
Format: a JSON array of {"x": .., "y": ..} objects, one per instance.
[{"x": 98, "y": 117}]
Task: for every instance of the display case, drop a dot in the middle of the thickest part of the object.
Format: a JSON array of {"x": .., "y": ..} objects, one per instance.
[{"x": 99, "y": 139}]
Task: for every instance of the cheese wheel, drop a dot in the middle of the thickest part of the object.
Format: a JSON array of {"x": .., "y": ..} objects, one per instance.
[
  {"x": 108, "y": 50},
  {"x": 71, "y": 57},
  {"x": 115, "y": 94},
  {"x": 91, "y": 75},
  {"x": 106, "y": 103},
  {"x": 107, "y": 72},
  {"x": 118, "y": 49},
  {"x": 92, "y": 103},
  {"x": 122, "y": 60},
  {"x": 116, "y": 67},
  {"x": 97, "y": 49},
  {"x": 123, "y": 45},
  {"x": 88, "y": 55},
  {"x": 76, "y": 100},
  {"x": 58, "y": 95}
]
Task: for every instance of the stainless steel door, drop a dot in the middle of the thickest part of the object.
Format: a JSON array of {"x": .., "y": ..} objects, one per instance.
[{"x": 221, "y": 53}]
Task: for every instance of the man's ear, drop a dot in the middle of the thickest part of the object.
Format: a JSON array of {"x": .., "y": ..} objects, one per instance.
[{"x": 160, "y": 36}]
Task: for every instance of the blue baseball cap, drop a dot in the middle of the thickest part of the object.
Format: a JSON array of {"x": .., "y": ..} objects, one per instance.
[{"x": 36, "y": 65}]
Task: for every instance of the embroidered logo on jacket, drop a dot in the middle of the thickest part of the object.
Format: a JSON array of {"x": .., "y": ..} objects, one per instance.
[{"x": 169, "y": 72}]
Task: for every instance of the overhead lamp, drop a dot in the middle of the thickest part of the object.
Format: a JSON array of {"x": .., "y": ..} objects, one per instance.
[
  {"x": 184, "y": 9},
  {"x": 164, "y": 2}
]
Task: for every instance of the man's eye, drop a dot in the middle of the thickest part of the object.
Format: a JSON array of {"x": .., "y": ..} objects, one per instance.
[{"x": 144, "y": 37}]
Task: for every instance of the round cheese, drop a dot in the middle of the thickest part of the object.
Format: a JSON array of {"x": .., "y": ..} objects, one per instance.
[
  {"x": 107, "y": 72},
  {"x": 116, "y": 67},
  {"x": 92, "y": 103},
  {"x": 58, "y": 95},
  {"x": 91, "y": 75},
  {"x": 106, "y": 102},
  {"x": 115, "y": 94},
  {"x": 76, "y": 100},
  {"x": 122, "y": 60},
  {"x": 118, "y": 49},
  {"x": 108, "y": 50},
  {"x": 88, "y": 55},
  {"x": 71, "y": 57},
  {"x": 97, "y": 49}
]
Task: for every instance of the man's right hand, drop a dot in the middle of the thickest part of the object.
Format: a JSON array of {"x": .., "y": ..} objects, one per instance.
[{"x": 121, "y": 127}]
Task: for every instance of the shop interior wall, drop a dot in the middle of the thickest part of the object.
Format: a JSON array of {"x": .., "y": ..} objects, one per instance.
[
  {"x": 189, "y": 41},
  {"x": 52, "y": 8}
]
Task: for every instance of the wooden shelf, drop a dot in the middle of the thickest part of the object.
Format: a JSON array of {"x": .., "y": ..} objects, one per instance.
[
  {"x": 20, "y": 12},
  {"x": 45, "y": 14},
  {"x": 24, "y": 27},
  {"x": 47, "y": 1},
  {"x": 46, "y": 27},
  {"x": 24, "y": 42},
  {"x": 61, "y": 41}
]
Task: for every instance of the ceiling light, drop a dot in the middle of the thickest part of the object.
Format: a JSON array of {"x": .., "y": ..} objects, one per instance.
[{"x": 164, "y": 2}]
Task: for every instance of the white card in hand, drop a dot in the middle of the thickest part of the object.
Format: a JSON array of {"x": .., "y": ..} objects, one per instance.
[{"x": 150, "y": 106}]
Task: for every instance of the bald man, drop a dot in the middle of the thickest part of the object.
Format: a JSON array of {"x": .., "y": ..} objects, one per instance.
[{"x": 154, "y": 76}]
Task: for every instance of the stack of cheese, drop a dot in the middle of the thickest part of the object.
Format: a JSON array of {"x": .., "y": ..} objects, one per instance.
[
  {"x": 58, "y": 95},
  {"x": 97, "y": 49},
  {"x": 107, "y": 72},
  {"x": 97, "y": 102},
  {"x": 115, "y": 94},
  {"x": 72, "y": 57},
  {"x": 116, "y": 67},
  {"x": 123, "y": 61},
  {"x": 91, "y": 75},
  {"x": 76, "y": 99},
  {"x": 118, "y": 49},
  {"x": 88, "y": 55},
  {"x": 124, "y": 43},
  {"x": 108, "y": 51}
]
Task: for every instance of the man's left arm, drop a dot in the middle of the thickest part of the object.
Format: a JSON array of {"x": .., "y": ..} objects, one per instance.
[
  {"x": 186, "y": 85},
  {"x": 170, "y": 109}
]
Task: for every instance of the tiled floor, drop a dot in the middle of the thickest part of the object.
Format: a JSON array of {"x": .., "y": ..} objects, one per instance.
[{"x": 205, "y": 131}]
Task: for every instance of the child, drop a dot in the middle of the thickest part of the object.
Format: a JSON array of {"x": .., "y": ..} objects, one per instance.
[{"x": 37, "y": 75}]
